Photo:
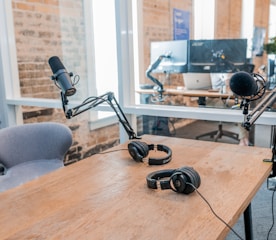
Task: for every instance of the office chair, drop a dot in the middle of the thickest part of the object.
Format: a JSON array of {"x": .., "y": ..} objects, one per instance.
[
  {"x": 31, "y": 150},
  {"x": 219, "y": 133}
]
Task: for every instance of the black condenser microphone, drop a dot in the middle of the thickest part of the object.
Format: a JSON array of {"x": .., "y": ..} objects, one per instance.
[
  {"x": 243, "y": 84},
  {"x": 62, "y": 77}
]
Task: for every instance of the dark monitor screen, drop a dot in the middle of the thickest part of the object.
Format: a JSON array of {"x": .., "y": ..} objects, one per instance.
[
  {"x": 218, "y": 55},
  {"x": 200, "y": 52},
  {"x": 177, "y": 50}
]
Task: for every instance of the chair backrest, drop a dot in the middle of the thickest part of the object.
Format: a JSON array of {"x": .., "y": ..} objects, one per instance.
[{"x": 34, "y": 141}]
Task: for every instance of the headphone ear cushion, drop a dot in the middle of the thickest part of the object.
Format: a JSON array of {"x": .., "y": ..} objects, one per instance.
[
  {"x": 138, "y": 150},
  {"x": 192, "y": 177},
  {"x": 178, "y": 181}
]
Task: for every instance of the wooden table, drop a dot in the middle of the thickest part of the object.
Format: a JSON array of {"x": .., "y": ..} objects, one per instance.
[{"x": 106, "y": 197}]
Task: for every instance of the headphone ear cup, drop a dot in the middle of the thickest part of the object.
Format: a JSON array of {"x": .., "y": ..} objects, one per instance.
[
  {"x": 178, "y": 182},
  {"x": 138, "y": 150},
  {"x": 192, "y": 177}
]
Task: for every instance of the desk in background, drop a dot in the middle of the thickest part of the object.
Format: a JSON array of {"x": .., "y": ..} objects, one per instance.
[
  {"x": 201, "y": 94},
  {"x": 106, "y": 197},
  {"x": 189, "y": 93}
]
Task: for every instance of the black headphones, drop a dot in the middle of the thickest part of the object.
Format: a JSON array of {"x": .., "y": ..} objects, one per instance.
[
  {"x": 139, "y": 150},
  {"x": 182, "y": 180}
]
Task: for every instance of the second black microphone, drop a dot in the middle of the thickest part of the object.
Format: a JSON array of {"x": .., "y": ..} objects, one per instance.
[{"x": 243, "y": 84}]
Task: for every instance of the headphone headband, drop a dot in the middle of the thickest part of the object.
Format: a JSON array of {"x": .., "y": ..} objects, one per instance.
[
  {"x": 160, "y": 161},
  {"x": 153, "y": 177},
  {"x": 139, "y": 150}
]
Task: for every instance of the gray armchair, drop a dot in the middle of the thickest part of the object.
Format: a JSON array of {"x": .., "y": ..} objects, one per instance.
[{"x": 30, "y": 150}]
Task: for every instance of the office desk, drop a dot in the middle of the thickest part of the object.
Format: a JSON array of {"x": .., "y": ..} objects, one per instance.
[
  {"x": 106, "y": 197},
  {"x": 189, "y": 93}
]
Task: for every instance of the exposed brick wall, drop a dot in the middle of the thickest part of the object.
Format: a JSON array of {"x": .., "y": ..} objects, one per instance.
[
  {"x": 228, "y": 22},
  {"x": 56, "y": 28},
  {"x": 44, "y": 29},
  {"x": 37, "y": 32}
]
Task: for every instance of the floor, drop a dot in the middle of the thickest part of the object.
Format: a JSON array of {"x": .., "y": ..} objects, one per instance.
[{"x": 195, "y": 129}]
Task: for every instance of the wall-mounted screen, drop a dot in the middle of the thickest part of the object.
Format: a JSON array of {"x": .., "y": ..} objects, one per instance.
[
  {"x": 176, "y": 62},
  {"x": 218, "y": 55}
]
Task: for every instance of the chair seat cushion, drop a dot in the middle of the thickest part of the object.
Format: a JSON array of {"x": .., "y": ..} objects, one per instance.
[{"x": 26, "y": 171}]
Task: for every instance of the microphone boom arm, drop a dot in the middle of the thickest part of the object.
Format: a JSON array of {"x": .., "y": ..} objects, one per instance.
[
  {"x": 152, "y": 67},
  {"x": 252, "y": 117},
  {"x": 93, "y": 102}
]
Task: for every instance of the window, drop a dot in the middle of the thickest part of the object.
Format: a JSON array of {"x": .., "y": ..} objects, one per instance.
[
  {"x": 204, "y": 23},
  {"x": 105, "y": 46},
  {"x": 248, "y": 24},
  {"x": 105, "y": 51},
  {"x": 73, "y": 32},
  {"x": 272, "y": 20}
]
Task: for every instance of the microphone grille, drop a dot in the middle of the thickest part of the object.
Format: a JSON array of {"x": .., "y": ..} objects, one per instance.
[
  {"x": 243, "y": 84},
  {"x": 55, "y": 64}
]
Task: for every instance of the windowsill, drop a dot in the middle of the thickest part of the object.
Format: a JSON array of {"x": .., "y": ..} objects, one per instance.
[{"x": 103, "y": 122}]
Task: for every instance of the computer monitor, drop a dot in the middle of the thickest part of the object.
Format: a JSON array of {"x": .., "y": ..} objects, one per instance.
[
  {"x": 200, "y": 56},
  {"x": 177, "y": 52},
  {"x": 217, "y": 55}
]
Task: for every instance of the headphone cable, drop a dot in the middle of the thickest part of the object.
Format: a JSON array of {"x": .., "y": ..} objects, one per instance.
[{"x": 215, "y": 214}]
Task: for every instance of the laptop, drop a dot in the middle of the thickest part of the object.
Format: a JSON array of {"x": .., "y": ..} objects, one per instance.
[{"x": 197, "y": 81}]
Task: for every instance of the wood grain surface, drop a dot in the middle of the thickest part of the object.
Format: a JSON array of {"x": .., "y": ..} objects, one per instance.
[{"x": 106, "y": 197}]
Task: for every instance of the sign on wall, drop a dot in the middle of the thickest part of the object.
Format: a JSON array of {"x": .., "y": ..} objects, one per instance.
[{"x": 181, "y": 24}]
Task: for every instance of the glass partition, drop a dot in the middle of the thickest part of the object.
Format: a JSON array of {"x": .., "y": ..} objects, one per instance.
[
  {"x": 229, "y": 51},
  {"x": 221, "y": 55}
]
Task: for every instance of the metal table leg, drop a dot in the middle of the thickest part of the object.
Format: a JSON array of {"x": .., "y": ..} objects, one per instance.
[{"x": 247, "y": 216}]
